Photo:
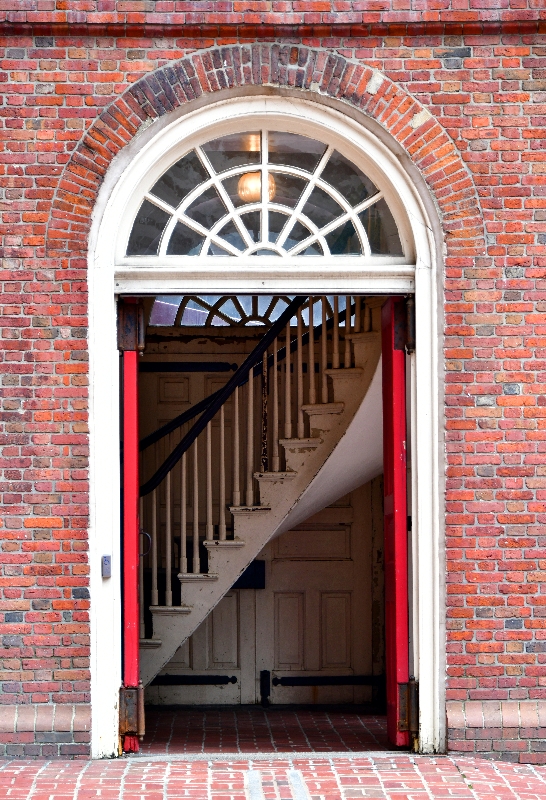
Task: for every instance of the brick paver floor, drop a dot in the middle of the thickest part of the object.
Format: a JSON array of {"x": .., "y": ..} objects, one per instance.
[
  {"x": 252, "y": 729},
  {"x": 393, "y": 776}
]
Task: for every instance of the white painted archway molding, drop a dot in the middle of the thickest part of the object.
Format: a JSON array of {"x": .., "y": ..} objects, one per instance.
[{"x": 129, "y": 175}]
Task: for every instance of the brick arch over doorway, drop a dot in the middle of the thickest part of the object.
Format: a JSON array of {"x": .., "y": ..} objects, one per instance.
[{"x": 313, "y": 72}]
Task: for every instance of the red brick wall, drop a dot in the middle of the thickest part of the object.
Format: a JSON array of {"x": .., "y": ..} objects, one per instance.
[{"x": 487, "y": 90}]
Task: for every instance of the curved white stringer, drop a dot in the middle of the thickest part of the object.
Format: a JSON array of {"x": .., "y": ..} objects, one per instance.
[{"x": 285, "y": 271}]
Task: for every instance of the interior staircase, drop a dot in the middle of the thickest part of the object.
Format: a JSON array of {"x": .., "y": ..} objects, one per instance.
[{"x": 276, "y": 476}]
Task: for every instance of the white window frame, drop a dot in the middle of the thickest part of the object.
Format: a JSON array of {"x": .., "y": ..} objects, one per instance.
[{"x": 129, "y": 177}]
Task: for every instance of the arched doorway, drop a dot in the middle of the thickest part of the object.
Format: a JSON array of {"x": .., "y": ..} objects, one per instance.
[{"x": 258, "y": 196}]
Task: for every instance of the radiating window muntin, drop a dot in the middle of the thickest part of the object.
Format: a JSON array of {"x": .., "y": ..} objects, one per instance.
[{"x": 344, "y": 216}]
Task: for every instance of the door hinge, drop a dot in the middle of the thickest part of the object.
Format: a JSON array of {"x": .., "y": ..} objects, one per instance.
[
  {"x": 131, "y": 329},
  {"x": 408, "y": 704},
  {"x": 131, "y": 711}
]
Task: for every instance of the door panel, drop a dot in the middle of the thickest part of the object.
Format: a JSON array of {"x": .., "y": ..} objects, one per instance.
[
  {"x": 289, "y": 633},
  {"x": 335, "y": 619},
  {"x": 224, "y": 634}
]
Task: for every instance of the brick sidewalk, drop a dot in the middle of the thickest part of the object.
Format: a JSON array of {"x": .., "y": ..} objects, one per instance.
[{"x": 343, "y": 777}]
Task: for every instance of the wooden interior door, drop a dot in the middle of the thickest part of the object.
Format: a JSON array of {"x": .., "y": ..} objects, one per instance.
[{"x": 320, "y": 614}]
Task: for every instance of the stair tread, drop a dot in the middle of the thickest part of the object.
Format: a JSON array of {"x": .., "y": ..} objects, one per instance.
[
  {"x": 213, "y": 543},
  {"x": 170, "y": 610},
  {"x": 195, "y": 577},
  {"x": 349, "y": 372},
  {"x": 248, "y": 509},
  {"x": 324, "y": 408},
  {"x": 295, "y": 443},
  {"x": 149, "y": 644},
  {"x": 275, "y": 476}
]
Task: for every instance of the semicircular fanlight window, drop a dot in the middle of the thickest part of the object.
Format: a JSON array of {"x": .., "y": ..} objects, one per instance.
[
  {"x": 264, "y": 193},
  {"x": 232, "y": 310}
]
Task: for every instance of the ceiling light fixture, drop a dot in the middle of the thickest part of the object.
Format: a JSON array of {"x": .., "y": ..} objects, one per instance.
[{"x": 249, "y": 187}]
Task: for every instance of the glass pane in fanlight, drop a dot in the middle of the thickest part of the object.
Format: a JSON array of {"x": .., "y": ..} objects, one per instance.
[
  {"x": 380, "y": 227},
  {"x": 245, "y": 301},
  {"x": 288, "y": 189},
  {"x": 264, "y": 252},
  {"x": 293, "y": 150},
  {"x": 264, "y": 301},
  {"x": 194, "y": 314},
  {"x": 230, "y": 233},
  {"x": 348, "y": 179},
  {"x": 236, "y": 150},
  {"x": 252, "y": 222},
  {"x": 175, "y": 184},
  {"x": 184, "y": 241},
  {"x": 231, "y": 185},
  {"x": 321, "y": 208},
  {"x": 298, "y": 233},
  {"x": 229, "y": 308},
  {"x": 344, "y": 241},
  {"x": 278, "y": 309},
  {"x": 276, "y": 224},
  {"x": 164, "y": 309},
  {"x": 218, "y": 321},
  {"x": 314, "y": 249},
  {"x": 216, "y": 250},
  {"x": 207, "y": 209},
  {"x": 148, "y": 228}
]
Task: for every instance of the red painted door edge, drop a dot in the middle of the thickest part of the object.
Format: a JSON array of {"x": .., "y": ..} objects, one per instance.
[
  {"x": 130, "y": 530},
  {"x": 395, "y": 513}
]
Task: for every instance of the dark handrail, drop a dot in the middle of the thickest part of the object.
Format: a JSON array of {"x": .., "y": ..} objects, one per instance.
[
  {"x": 224, "y": 393},
  {"x": 192, "y": 412}
]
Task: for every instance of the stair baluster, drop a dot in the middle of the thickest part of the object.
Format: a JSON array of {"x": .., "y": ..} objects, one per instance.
[
  {"x": 357, "y": 315},
  {"x": 335, "y": 336},
  {"x": 222, "y": 481},
  {"x": 367, "y": 319},
  {"x": 155, "y": 593},
  {"x": 311, "y": 356},
  {"x": 236, "y": 451},
  {"x": 249, "y": 498},
  {"x": 168, "y": 541},
  {"x": 323, "y": 354},
  {"x": 209, "y": 529},
  {"x": 287, "y": 388},
  {"x": 299, "y": 401},
  {"x": 183, "y": 515},
  {"x": 275, "y": 442},
  {"x": 347, "y": 353},
  {"x": 264, "y": 423},
  {"x": 195, "y": 531}
]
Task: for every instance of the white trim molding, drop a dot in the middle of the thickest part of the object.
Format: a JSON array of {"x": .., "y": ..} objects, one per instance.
[{"x": 130, "y": 176}]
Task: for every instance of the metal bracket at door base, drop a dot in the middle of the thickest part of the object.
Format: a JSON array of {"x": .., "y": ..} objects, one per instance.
[
  {"x": 408, "y": 694},
  {"x": 131, "y": 711}
]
